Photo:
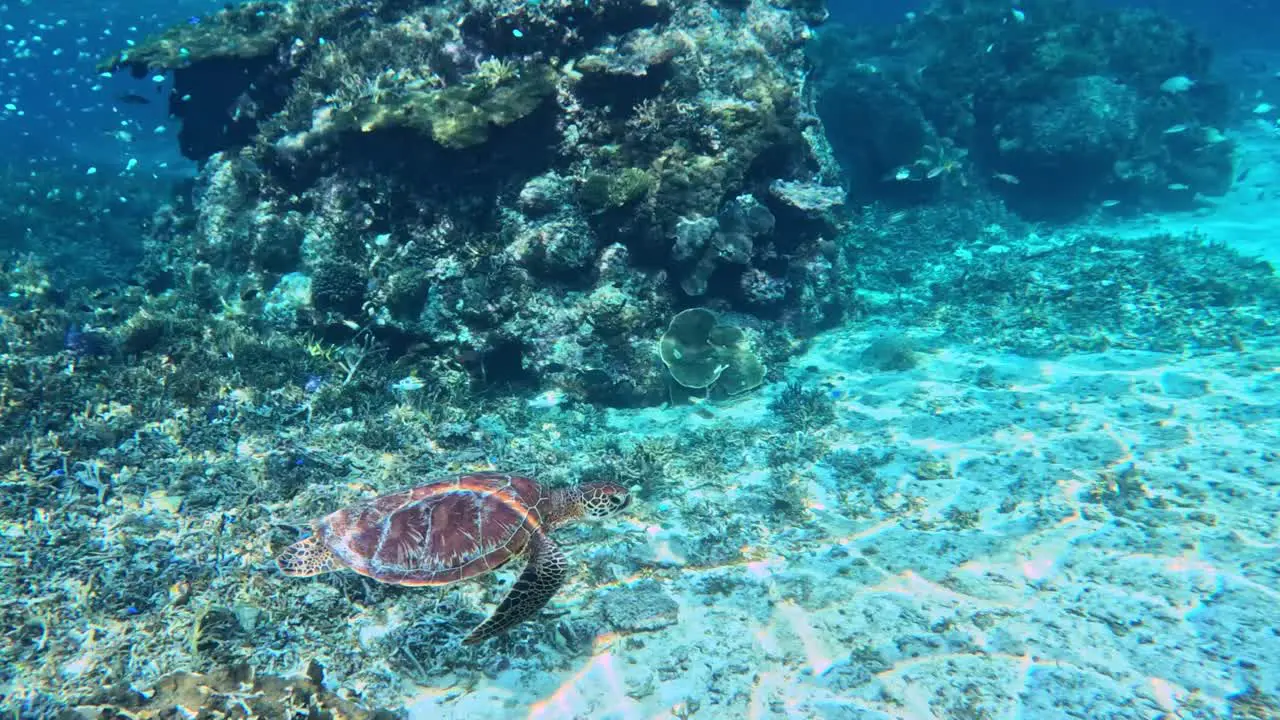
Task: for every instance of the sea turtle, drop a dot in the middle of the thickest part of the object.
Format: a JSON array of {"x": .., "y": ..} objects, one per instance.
[{"x": 456, "y": 528}]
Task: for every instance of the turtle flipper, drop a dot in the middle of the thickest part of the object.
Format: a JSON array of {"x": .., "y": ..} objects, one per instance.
[
  {"x": 541, "y": 579},
  {"x": 307, "y": 557}
]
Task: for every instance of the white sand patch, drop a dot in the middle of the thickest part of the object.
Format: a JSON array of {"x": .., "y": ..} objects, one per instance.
[{"x": 1118, "y": 556}]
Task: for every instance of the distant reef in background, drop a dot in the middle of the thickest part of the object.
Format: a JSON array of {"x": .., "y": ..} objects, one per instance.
[{"x": 1055, "y": 107}]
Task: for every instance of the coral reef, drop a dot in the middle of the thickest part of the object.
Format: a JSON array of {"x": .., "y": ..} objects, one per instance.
[
  {"x": 1055, "y": 106},
  {"x": 703, "y": 354},
  {"x": 43, "y": 222},
  {"x": 534, "y": 187},
  {"x": 433, "y": 238},
  {"x": 147, "y": 490}
]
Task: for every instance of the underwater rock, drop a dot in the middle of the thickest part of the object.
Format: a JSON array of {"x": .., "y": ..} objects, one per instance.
[
  {"x": 451, "y": 177},
  {"x": 875, "y": 127},
  {"x": 1049, "y": 115},
  {"x": 640, "y": 607},
  {"x": 548, "y": 232},
  {"x": 1073, "y": 138},
  {"x": 737, "y": 226},
  {"x": 807, "y": 197},
  {"x": 890, "y": 353}
]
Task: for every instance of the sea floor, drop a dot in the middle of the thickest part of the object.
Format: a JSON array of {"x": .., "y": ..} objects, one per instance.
[
  {"x": 981, "y": 536},
  {"x": 1095, "y": 536},
  {"x": 1091, "y": 537}
]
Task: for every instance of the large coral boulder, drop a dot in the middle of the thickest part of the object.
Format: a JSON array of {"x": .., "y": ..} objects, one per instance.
[
  {"x": 504, "y": 182},
  {"x": 1070, "y": 142}
]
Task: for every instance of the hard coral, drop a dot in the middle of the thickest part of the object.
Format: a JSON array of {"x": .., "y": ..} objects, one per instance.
[
  {"x": 248, "y": 30},
  {"x": 803, "y": 409},
  {"x": 338, "y": 287},
  {"x": 1061, "y": 93},
  {"x": 701, "y": 353},
  {"x": 494, "y": 180},
  {"x": 458, "y": 116},
  {"x": 610, "y": 191}
]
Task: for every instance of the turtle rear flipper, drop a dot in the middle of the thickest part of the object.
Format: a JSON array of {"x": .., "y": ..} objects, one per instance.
[
  {"x": 541, "y": 579},
  {"x": 307, "y": 557}
]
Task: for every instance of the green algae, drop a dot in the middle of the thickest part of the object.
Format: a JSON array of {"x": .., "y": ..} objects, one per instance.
[
  {"x": 607, "y": 191},
  {"x": 459, "y": 116}
]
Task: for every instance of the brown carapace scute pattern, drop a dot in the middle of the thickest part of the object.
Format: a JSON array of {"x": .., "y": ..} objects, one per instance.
[{"x": 456, "y": 528}]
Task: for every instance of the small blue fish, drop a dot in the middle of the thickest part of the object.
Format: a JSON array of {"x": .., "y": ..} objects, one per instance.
[
  {"x": 193, "y": 20},
  {"x": 84, "y": 343}
]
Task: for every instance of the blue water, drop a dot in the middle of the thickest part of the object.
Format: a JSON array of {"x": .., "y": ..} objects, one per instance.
[
  {"x": 1231, "y": 25},
  {"x": 65, "y": 115},
  {"x": 68, "y": 114}
]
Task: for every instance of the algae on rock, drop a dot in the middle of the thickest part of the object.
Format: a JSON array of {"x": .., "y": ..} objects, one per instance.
[{"x": 459, "y": 116}]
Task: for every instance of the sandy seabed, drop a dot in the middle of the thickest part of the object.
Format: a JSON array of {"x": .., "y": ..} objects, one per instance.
[
  {"x": 1098, "y": 536},
  {"x": 1102, "y": 541}
]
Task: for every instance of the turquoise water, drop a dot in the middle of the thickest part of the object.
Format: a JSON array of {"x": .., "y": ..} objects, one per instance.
[{"x": 613, "y": 360}]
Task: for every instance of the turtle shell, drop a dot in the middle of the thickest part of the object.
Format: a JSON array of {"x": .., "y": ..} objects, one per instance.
[{"x": 442, "y": 532}]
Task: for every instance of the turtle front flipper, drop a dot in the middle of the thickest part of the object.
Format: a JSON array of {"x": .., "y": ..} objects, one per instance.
[
  {"x": 539, "y": 582},
  {"x": 307, "y": 557}
]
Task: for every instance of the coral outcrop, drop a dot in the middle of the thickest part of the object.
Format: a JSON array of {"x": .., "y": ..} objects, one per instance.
[
  {"x": 534, "y": 187},
  {"x": 1055, "y": 106}
]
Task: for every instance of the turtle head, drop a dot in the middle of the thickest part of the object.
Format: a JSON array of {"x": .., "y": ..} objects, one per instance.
[
  {"x": 602, "y": 499},
  {"x": 592, "y": 500}
]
